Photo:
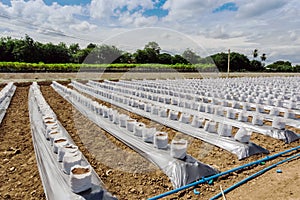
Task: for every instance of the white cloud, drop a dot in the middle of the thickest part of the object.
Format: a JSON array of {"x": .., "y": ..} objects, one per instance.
[
  {"x": 122, "y": 11},
  {"x": 255, "y": 8},
  {"x": 83, "y": 27},
  {"x": 267, "y": 25}
]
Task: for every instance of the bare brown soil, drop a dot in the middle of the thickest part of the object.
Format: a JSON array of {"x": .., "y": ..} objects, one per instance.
[
  {"x": 19, "y": 176},
  {"x": 24, "y": 77},
  {"x": 80, "y": 171}
]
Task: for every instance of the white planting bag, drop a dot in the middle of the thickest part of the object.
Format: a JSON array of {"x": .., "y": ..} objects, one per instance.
[
  {"x": 130, "y": 125},
  {"x": 209, "y": 108},
  {"x": 123, "y": 120},
  {"x": 230, "y": 113},
  {"x": 278, "y": 103},
  {"x": 187, "y": 104},
  {"x": 175, "y": 101},
  {"x": 289, "y": 114},
  {"x": 148, "y": 134},
  {"x": 224, "y": 103},
  {"x": 70, "y": 160},
  {"x": 116, "y": 118},
  {"x": 141, "y": 105},
  {"x": 56, "y": 133},
  {"x": 185, "y": 118},
  {"x": 259, "y": 108},
  {"x": 257, "y": 120},
  {"x": 59, "y": 142},
  {"x": 243, "y": 116},
  {"x": 80, "y": 178},
  {"x": 258, "y": 100},
  {"x": 178, "y": 148},
  {"x": 201, "y": 107},
  {"x": 197, "y": 122},
  {"x": 224, "y": 130},
  {"x": 210, "y": 126},
  {"x": 154, "y": 110},
  {"x": 111, "y": 114},
  {"x": 242, "y": 135},
  {"x": 51, "y": 128},
  {"x": 139, "y": 129},
  {"x": 274, "y": 112},
  {"x": 235, "y": 104},
  {"x": 173, "y": 115},
  {"x": 148, "y": 107},
  {"x": 105, "y": 112},
  {"x": 168, "y": 100},
  {"x": 160, "y": 140},
  {"x": 278, "y": 123},
  {"x": 291, "y": 105},
  {"x": 246, "y": 106},
  {"x": 70, "y": 148}
]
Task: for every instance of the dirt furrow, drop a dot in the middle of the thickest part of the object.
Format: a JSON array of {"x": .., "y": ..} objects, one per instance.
[{"x": 19, "y": 176}]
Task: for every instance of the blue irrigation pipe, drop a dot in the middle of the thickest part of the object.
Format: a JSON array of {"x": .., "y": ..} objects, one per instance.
[
  {"x": 253, "y": 176},
  {"x": 204, "y": 180}
]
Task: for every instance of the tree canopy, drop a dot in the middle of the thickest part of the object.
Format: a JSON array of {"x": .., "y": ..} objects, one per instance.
[{"x": 29, "y": 51}]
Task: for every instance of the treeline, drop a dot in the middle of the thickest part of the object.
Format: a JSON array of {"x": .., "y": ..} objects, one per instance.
[
  {"x": 17, "y": 53},
  {"x": 29, "y": 51}
]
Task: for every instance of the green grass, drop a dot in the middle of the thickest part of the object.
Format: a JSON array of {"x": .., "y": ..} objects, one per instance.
[{"x": 71, "y": 67}]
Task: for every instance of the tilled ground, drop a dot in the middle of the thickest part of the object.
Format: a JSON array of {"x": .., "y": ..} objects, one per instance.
[
  {"x": 125, "y": 173},
  {"x": 19, "y": 176}
]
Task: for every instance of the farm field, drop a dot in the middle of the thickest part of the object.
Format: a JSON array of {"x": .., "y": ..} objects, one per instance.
[
  {"x": 118, "y": 166},
  {"x": 21, "y": 77}
]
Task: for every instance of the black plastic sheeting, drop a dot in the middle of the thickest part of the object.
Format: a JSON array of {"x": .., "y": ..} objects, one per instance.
[
  {"x": 56, "y": 183},
  {"x": 180, "y": 172}
]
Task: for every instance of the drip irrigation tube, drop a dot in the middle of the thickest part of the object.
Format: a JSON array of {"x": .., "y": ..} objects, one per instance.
[
  {"x": 253, "y": 176},
  {"x": 204, "y": 180}
]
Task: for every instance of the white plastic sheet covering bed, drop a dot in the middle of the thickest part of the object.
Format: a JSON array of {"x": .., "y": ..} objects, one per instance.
[
  {"x": 132, "y": 92},
  {"x": 242, "y": 150},
  {"x": 5, "y": 97},
  {"x": 285, "y": 89},
  {"x": 180, "y": 172},
  {"x": 215, "y": 97},
  {"x": 56, "y": 183}
]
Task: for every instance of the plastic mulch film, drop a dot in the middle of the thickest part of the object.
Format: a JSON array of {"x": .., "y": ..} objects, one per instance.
[
  {"x": 57, "y": 184},
  {"x": 232, "y": 92},
  {"x": 180, "y": 172},
  {"x": 6, "y": 95},
  {"x": 287, "y": 136},
  {"x": 242, "y": 150},
  {"x": 291, "y": 122}
]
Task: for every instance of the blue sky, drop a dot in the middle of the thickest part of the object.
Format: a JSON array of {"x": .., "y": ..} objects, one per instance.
[
  {"x": 230, "y": 6},
  {"x": 271, "y": 26}
]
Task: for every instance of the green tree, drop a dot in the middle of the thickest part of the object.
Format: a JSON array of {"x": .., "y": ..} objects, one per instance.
[
  {"x": 238, "y": 62},
  {"x": 263, "y": 57},
  {"x": 165, "y": 58},
  {"x": 256, "y": 65},
  {"x": 126, "y": 57},
  {"x": 191, "y": 56},
  {"x": 154, "y": 46},
  {"x": 255, "y": 53},
  {"x": 104, "y": 54},
  {"x": 179, "y": 59},
  {"x": 280, "y": 66}
]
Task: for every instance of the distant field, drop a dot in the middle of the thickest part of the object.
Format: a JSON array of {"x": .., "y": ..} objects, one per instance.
[{"x": 21, "y": 77}]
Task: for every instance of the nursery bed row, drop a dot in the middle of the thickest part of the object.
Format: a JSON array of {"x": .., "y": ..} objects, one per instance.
[
  {"x": 120, "y": 172},
  {"x": 19, "y": 175},
  {"x": 213, "y": 112},
  {"x": 242, "y": 150}
]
